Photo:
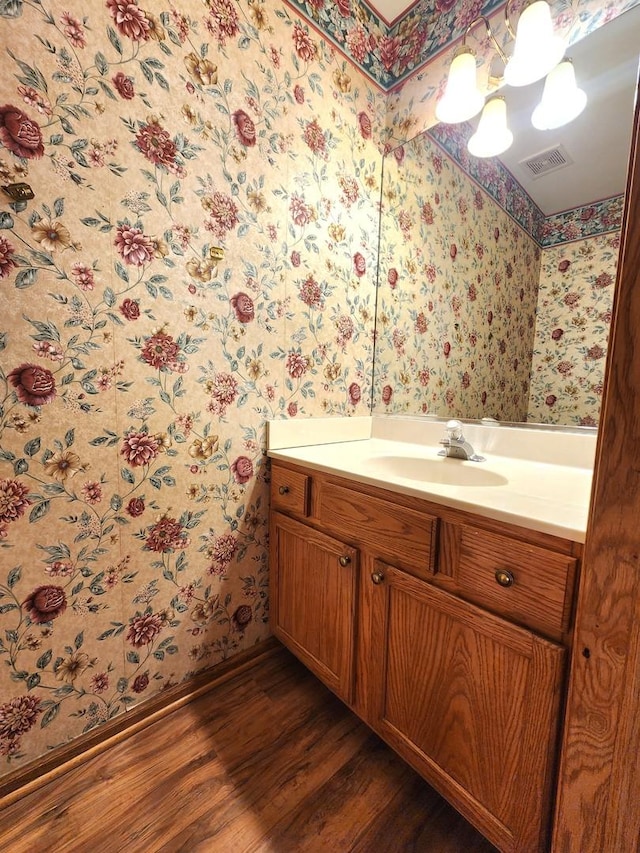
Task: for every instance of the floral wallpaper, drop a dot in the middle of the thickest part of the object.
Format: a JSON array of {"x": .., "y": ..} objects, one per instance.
[
  {"x": 137, "y": 371},
  {"x": 572, "y": 330},
  {"x": 458, "y": 288}
]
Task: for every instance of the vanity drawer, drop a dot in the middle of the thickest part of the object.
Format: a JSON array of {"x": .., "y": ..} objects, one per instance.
[
  {"x": 290, "y": 490},
  {"x": 395, "y": 533},
  {"x": 522, "y": 582}
]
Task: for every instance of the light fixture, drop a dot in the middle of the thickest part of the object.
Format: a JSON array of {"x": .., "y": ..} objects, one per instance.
[
  {"x": 462, "y": 99},
  {"x": 562, "y": 100},
  {"x": 537, "y": 50},
  {"x": 492, "y": 136}
]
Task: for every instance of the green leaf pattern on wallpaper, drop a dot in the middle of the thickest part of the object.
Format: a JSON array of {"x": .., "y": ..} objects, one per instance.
[{"x": 137, "y": 372}]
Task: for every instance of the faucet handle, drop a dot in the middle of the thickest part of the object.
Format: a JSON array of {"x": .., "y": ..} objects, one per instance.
[{"x": 454, "y": 430}]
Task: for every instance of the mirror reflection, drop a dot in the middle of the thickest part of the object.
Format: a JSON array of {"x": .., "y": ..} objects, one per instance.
[{"x": 496, "y": 276}]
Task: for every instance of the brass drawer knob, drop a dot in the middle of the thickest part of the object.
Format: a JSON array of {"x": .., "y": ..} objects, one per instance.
[
  {"x": 377, "y": 578},
  {"x": 504, "y": 577},
  {"x": 344, "y": 560},
  {"x": 283, "y": 490}
]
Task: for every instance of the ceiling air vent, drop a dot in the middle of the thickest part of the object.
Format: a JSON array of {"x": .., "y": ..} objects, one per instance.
[{"x": 546, "y": 161}]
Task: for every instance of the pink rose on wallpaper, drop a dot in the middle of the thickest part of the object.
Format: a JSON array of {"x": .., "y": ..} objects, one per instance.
[
  {"x": 489, "y": 317},
  {"x": 135, "y": 507},
  {"x": 357, "y": 43},
  {"x": 359, "y": 264},
  {"x": 426, "y": 213},
  {"x": 13, "y": 501},
  {"x": 298, "y": 94},
  {"x": 483, "y": 398},
  {"x": 603, "y": 280},
  {"x": 160, "y": 351},
  {"x": 141, "y": 682},
  {"x": 453, "y": 251},
  {"x": 422, "y": 323},
  {"x": 594, "y": 353},
  {"x": 129, "y": 19},
  {"x": 243, "y": 307},
  {"x": 365, "y": 125},
  {"x": 223, "y": 214},
  {"x": 550, "y": 400},
  {"x": 292, "y": 410},
  {"x": 398, "y": 153},
  {"x": 355, "y": 393},
  {"x": 344, "y": 7},
  {"x": 73, "y": 30},
  {"x": 446, "y": 349},
  {"x": 157, "y": 146},
  {"x": 224, "y": 19},
  {"x": 245, "y": 128},
  {"x": 304, "y": 47},
  {"x": 311, "y": 294},
  {"x": 301, "y": 213},
  {"x": 387, "y": 394},
  {"x": 17, "y": 717},
  {"x": 496, "y": 234},
  {"x": 224, "y": 391},
  {"x": 133, "y": 246},
  {"x": 314, "y": 137},
  {"x": 139, "y": 448},
  {"x": 564, "y": 265},
  {"x": 144, "y": 629},
  {"x": 166, "y": 535},
  {"x": 222, "y": 552},
  {"x": 241, "y": 617},
  {"x": 45, "y": 603},
  {"x": 242, "y": 469},
  {"x": 83, "y": 277},
  {"x": 35, "y": 385},
  {"x": 392, "y": 278},
  {"x": 123, "y": 85},
  {"x": 557, "y": 334},
  {"x": 297, "y": 364},
  {"x": 20, "y": 134},
  {"x": 295, "y": 259},
  {"x": 389, "y": 51},
  {"x": 7, "y": 262},
  {"x": 130, "y": 309}
]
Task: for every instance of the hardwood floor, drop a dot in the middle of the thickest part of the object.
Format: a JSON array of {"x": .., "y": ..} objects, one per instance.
[{"x": 269, "y": 762}]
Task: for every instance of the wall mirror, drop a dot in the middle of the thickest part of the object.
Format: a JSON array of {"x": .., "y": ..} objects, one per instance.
[{"x": 496, "y": 276}]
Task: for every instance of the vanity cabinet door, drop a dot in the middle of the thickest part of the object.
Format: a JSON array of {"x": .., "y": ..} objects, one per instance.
[
  {"x": 472, "y": 703},
  {"x": 313, "y": 600}
]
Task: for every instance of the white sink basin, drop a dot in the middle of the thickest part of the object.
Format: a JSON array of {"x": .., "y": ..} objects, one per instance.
[{"x": 449, "y": 472}]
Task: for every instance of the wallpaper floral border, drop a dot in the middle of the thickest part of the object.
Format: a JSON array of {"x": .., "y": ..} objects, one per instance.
[{"x": 137, "y": 372}]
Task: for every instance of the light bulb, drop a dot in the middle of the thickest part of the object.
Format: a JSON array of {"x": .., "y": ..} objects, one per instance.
[
  {"x": 562, "y": 100},
  {"x": 462, "y": 99},
  {"x": 492, "y": 136},
  {"x": 537, "y": 50}
]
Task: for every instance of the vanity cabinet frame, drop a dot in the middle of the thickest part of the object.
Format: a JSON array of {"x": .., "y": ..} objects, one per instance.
[{"x": 418, "y": 563}]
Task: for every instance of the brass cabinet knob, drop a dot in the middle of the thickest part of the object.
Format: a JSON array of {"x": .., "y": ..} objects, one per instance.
[
  {"x": 377, "y": 577},
  {"x": 504, "y": 577},
  {"x": 284, "y": 490},
  {"x": 344, "y": 560}
]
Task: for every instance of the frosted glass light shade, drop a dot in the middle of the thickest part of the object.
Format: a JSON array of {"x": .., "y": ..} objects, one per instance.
[
  {"x": 562, "y": 100},
  {"x": 492, "y": 136},
  {"x": 537, "y": 50},
  {"x": 462, "y": 99}
]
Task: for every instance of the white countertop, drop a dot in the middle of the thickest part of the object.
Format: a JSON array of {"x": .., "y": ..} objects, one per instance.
[{"x": 546, "y": 496}]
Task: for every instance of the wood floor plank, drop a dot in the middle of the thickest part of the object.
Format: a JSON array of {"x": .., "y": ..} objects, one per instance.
[{"x": 269, "y": 762}]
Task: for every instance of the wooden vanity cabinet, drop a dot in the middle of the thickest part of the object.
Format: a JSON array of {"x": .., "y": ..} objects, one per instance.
[{"x": 445, "y": 633}]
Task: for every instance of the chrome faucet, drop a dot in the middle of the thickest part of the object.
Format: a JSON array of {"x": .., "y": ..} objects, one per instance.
[{"x": 455, "y": 445}]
